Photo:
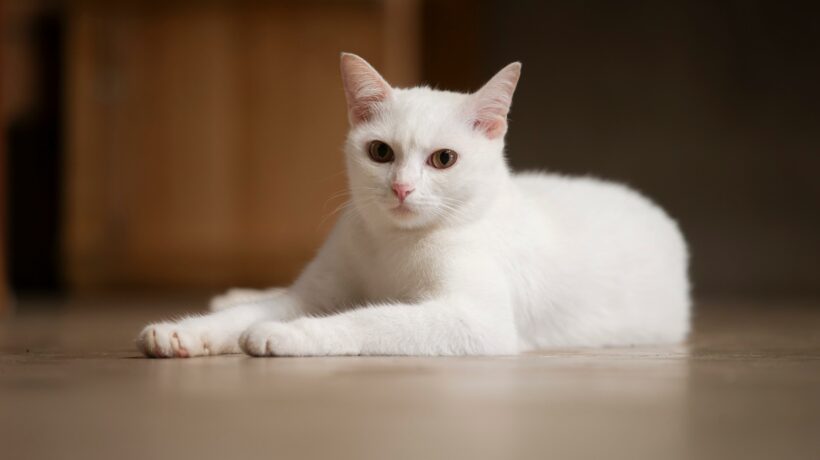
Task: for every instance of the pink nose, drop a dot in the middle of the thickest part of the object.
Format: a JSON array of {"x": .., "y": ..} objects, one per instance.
[{"x": 402, "y": 190}]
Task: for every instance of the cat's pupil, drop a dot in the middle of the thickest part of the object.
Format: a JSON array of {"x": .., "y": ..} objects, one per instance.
[
  {"x": 382, "y": 150},
  {"x": 444, "y": 157}
]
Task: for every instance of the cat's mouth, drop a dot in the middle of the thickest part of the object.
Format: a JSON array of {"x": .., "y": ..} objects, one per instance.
[{"x": 402, "y": 210}]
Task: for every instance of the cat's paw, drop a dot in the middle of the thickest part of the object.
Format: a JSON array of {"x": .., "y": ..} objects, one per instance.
[
  {"x": 171, "y": 340},
  {"x": 276, "y": 339},
  {"x": 302, "y": 337}
]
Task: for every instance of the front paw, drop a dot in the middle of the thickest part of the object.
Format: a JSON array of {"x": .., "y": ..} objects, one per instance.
[
  {"x": 303, "y": 337},
  {"x": 275, "y": 339},
  {"x": 170, "y": 340}
]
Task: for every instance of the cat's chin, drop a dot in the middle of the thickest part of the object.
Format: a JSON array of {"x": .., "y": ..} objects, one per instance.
[{"x": 407, "y": 217}]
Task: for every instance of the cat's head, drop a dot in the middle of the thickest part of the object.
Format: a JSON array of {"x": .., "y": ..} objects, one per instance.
[{"x": 419, "y": 157}]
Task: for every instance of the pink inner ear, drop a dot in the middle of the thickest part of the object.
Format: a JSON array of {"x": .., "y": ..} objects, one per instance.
[
  {"x": 363, "y": 108},
  {"x": 364, "y": 88},
  {"x": 491, "y": 103},
  {"x": 492, "y": 128}
]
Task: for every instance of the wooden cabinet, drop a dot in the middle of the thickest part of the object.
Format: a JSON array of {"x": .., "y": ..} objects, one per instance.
[{"x": 204, "y": 138}]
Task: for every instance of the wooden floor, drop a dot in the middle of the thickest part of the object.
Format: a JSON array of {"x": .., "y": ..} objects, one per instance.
[{"x": 747, "y": 386}]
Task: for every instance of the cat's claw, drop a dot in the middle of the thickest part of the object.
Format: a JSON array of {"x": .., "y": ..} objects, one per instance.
[{"x": 169, "y": 340}]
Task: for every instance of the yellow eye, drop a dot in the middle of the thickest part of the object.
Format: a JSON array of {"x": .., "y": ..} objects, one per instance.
[
  {"x": 442, "y": 159},
  {"x": 380, "y": 152}
]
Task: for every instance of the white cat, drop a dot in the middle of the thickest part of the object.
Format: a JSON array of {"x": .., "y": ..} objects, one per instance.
[{"x": 445, "y": 252}]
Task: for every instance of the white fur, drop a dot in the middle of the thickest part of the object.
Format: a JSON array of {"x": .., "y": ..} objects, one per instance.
[{"x": 485, "y": 263}]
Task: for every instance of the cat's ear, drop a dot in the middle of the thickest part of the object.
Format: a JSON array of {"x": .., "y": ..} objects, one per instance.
[
  {"x": 364, "y": 88},
  {"x": 488, "y": 107}
]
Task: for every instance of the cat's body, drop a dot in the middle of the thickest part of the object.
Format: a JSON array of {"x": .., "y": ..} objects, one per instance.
[{"x": 457, "y": 261}]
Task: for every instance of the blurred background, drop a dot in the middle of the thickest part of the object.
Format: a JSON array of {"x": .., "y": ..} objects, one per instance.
[{"x": 186, "y": 146}]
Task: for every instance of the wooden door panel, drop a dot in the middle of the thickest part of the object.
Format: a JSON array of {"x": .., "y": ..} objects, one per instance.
[{"x": 205, "y": 137}]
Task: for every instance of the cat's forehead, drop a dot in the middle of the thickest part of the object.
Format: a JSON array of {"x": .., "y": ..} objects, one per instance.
[
  {"x": 424, "y": 101},
  {"x": 419, "y": 117}
]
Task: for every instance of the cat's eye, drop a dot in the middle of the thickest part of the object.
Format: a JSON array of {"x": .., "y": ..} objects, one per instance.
[
  {"x": 442, "y": 159},
  {"x": 380, "y": 152}
]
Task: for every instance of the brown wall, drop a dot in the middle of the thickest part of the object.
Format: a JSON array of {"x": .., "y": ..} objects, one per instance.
[{"x": 4, "y": 289}]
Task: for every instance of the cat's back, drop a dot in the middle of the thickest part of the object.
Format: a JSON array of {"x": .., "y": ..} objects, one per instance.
[
  {"x": 602, "y": 216},
  {"x": 580, "y": 203},
  {"x": 577, "y": 191}
]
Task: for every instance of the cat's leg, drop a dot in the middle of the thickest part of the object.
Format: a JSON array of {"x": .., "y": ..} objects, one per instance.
[
  {"x": 434, "y": 328},
  {"x": 239, "y": 296},
  {"x": 215, "y": 333}
]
